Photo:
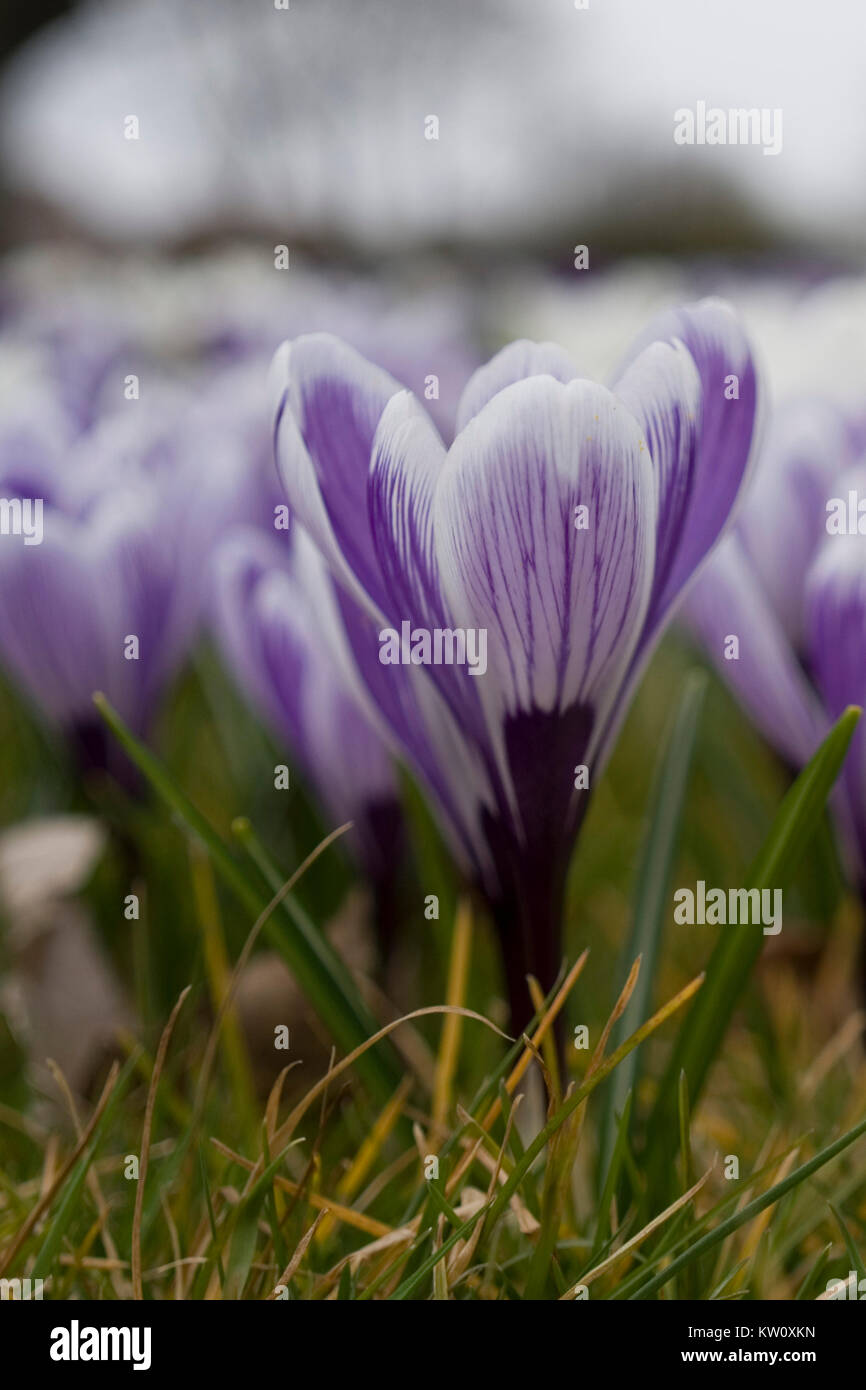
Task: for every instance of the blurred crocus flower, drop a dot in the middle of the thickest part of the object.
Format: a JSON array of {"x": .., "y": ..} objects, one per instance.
[
  {"x": 559, "y": 528},
  {"x": 277, "y": 618},
  {"x": 91, "y": 323},
  {"x": 110, "y": 593},
  {"x": 781, "y": 607}
]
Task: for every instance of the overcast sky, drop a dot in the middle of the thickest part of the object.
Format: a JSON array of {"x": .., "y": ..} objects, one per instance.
[{"x": 314, "y": 118}]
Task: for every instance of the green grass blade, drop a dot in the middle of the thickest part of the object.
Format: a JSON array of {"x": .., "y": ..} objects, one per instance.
[
  {"x": 326, "y": 982},
  {"x": 69, "y": 1203},
  {"x": 749, "y": 1212},
  {"x": 686, "y": 1160},
  {"x": 602, "y": 1230},
  {"x": 673, "y": 1243},
  {"x": 850, "y": 1244},
  {"x": 245, "y": 1230},
  {"x": 813, "y": 1274},
  {"x": 412, "y": 1283},
  {"x": 651, "y": 895},
  {"x": 577, "y": 1096},
  {"x": 739, "y": 947}
]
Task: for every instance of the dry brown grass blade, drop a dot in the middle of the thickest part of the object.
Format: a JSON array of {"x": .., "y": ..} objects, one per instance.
[
  {"x": 49, "y": 1162},
  {"x": 839, "y": 1045},
  {"x": 175, "y": 1247},
  {"x": 400, "y": 1236},
  {"x": 491, "y": 1158},
  {"x": 395, "y": 1237},
  {"x": 272, "y": 1108},
  {"x": 158, "y": 1065},
  {"x": 548, "y": 1045},
  {"x": 617, "y": 1012},
  {"x": 294, "y": 1263},
  {"x": 289, "y": 1125},
  {"x": 100, "y": 1262},
  {"x": 367, "y": 1154},
  {"x": 367, "y": 1224},
  {"x": 458, "y": 970},
  {"x": 440, "y": 1274},
  {"x": 190, "y": 1262},
  {"x": 464, "y": 1250},
  {"x": 545, "y": 1024},
  {"x": 520, "y": 1067},
  {"x": 118, "y": 1284},
  {"x": 417, "y": 1056},
  {"x": 566, "y": 1142},
  {"x": 636, "y": 1240},
  {"x": 61, "y": 1176},
  {"x": 750, "y": 1236}
]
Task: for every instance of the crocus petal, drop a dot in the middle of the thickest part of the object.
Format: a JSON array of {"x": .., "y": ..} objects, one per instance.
[
  {"x": 328, "y": 404},
  {"x": 245, "y": 563},
  {"x": 727, "y": 601},
  {"x": 662, "y": 389},
  {"x": 138, "y": 559},
  {"x": 836, "y": 645},
  {"x": 267, "y": 620},
  {"x": 562, "y": 607},
  {"x": 52, "y": 628},
  {"x": 515, "y": 362},
  {"x": 407, "y": 708},
  {"x": 725, "y": 441},
  {"x": 836, "y": 621},
  {"x": 407, "y": 460},
  {"x": 782, "y": 521}
]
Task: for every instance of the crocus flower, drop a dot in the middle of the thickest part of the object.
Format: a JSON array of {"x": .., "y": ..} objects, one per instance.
[
  {"x": 109, "y": 594},
  {"x": 563, "y": 522},
  {"x": 781, "y": 607},
  {"x": 277, "y": 619},
  {"x": 278, "y": 622}
]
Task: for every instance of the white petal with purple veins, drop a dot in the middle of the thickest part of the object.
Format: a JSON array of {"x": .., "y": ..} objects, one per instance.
[
  {"x": 726, "y": 440},
  {"x": 662, "y": 389},
  {"x": 407, "y": 461},
  {"x": 562, "y": 607},
  {"x": 515, "y": 362}
]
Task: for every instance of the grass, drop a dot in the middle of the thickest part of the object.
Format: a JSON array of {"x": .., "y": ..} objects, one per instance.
[{"x": 708, "y": 1143}]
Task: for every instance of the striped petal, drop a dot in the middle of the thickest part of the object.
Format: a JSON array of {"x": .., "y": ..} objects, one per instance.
[
  {"x": 701, "y": 463},
  {"x": 328, "y": 401},
  {"x": 407, "y": 460},
  {"x": 562, "y": 607}
]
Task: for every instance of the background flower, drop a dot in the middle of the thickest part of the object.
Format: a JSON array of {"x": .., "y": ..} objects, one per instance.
[
  {"x": 277, "y": 620},
  {"x": 791, "y": 594},
  {"x": 130, "y": 506}
]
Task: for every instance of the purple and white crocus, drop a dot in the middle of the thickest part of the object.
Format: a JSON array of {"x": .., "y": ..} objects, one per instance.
[
  {"x": 564, "y": 521},
  {"x": 276, "y": 617},
  {"x": 789, "y": 584}
]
